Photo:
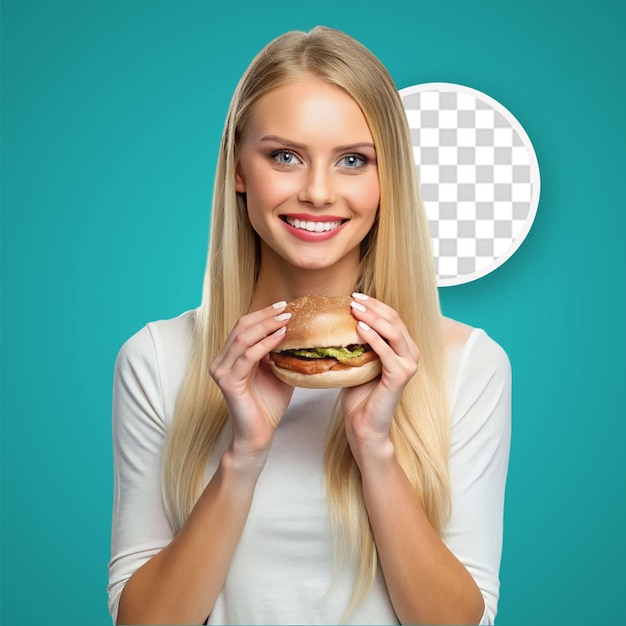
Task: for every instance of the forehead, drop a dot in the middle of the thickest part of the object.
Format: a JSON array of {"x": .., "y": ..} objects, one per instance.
[{"x": 308, "y": 109}]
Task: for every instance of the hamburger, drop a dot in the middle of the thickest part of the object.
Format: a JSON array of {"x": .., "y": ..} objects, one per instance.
[{"x": 322, "y": 348}]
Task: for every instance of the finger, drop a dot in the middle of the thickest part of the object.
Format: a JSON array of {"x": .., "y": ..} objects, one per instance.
[
  {"x": 400, "y": 368},
  {"x": 254, "y": 354},
  {"x": 252, "y": 320},
  {"x": 230, "y": 373},
  {"x": 387, "y": 323},
  {"x": 378, "y": 307},
  {"x": 249, "y": 330},
  {"x": 380, "y": 345},
  {"x": 251, "y": 345}
]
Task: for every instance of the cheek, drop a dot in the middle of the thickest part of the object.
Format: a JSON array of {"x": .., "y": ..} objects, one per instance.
[
  {"x": 266, "y": 189},
  {"x": 366, "y": 196}
]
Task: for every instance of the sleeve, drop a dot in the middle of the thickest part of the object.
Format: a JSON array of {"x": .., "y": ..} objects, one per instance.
[
  {"x": 479, "y": 455},
  {"x": 140, "y": 528}
]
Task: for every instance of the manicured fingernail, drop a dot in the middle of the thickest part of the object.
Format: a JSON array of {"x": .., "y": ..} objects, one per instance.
[
  {"x": 279, "y": 305},
  {"x": 282, "y": 317},
  {"x": 281, "y": 331},
  {"x": 359, "y": 296},
  {"x": 358, "y": 307},
  {"x": 364, "y": 326}
]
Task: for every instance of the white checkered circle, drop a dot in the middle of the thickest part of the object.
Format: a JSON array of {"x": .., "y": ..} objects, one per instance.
[{"x": 479, "y": 178}]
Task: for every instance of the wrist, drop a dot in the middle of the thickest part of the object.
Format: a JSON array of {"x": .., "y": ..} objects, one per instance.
[
  {"x": 374, "y": 454},
  {"x": 244, "y": 462}
]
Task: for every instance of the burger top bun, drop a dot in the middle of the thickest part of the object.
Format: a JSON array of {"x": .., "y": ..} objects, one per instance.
[{"x": 320, "y": 322}]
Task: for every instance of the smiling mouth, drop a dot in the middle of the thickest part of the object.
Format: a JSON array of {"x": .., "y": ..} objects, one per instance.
[{"x": 312, "y": 227}]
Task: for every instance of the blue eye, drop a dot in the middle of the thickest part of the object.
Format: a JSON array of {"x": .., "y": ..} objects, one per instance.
[
  {"x": 285, "y": 157},
  {"x": 352, "y": 161}
]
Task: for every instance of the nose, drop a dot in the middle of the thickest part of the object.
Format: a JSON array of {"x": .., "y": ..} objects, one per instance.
[{"x": 317, "y": 187}]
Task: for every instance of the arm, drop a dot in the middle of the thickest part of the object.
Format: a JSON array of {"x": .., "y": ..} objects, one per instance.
[
  {"x": 429, "y": 580},
  {"x": 427, "y": 584},
  {"x": 479, "y": 455},
  {"x": 179, "y": 584}
]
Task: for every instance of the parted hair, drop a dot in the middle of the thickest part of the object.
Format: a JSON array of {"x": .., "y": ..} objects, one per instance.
[{"x": 396, "y": 267}]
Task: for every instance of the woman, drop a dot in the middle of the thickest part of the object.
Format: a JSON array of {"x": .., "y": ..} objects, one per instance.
[{"x": 241, "y": 500}]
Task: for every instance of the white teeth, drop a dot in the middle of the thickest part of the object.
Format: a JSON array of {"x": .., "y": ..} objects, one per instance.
[{"x": 312, "y": 227}]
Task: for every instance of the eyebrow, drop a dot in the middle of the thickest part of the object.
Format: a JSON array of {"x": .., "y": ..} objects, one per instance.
[{"x": 292, "y": 144}]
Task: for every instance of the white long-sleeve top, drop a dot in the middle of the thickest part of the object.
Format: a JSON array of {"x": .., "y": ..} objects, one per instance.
[{"x": 284, "y": 570}]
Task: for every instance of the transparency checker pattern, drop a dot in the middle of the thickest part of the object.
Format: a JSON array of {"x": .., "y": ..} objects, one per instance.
[{"x": 478, "y": 174}]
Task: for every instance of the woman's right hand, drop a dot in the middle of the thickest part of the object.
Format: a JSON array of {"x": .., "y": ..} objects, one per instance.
[{"x": 255, "y": 398}]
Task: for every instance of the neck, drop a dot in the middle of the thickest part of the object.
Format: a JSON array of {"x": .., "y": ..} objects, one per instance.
[{"x": 278, "y": 280}]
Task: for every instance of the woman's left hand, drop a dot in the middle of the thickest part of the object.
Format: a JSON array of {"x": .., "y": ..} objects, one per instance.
[{"x": 369, "y": 408}]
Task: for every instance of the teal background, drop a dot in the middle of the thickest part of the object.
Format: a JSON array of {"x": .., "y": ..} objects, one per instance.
[{"x": 111, "y": 115}]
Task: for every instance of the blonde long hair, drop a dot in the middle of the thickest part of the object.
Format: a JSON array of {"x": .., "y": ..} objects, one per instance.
[{"x": 397, "y": 267}]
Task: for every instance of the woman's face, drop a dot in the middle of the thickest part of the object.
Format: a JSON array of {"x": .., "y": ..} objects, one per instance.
[{"x": 307, "y": 164}]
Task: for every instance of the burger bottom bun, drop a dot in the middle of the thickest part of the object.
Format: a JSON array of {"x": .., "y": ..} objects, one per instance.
[{"x": 350, "y": 377}]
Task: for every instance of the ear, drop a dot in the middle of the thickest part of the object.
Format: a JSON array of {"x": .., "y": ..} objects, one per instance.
[{"x": 240, "y": 183}]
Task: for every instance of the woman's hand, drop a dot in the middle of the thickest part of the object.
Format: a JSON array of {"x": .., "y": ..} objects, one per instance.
[
  {"x": 255, "y": 398},
  {"x": 369, "y": 408}
]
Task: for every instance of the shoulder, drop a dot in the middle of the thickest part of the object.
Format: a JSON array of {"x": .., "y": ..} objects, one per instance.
[
  {"x": 470, "y": 343},
  {"x": 455, "y": 334},
  {"x": 174, "y": 334},
  {"x": 154, "y": 361},
  {"x": 476, "y": 363},
  {"x": 160, "y": 350}
]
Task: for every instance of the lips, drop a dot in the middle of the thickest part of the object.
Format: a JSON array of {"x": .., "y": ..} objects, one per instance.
[{"x": 312, "y": 226}]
